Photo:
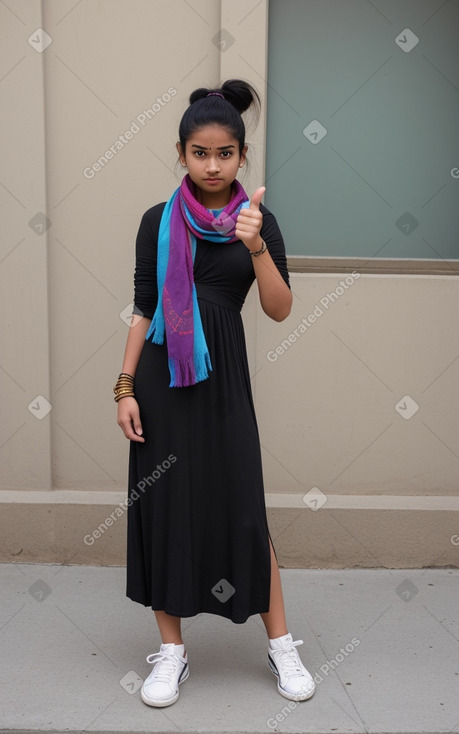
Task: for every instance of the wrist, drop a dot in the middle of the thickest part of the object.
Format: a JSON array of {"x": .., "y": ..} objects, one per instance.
[
  {"x": 124, "y": 387},
  {"x": 262, "y": 247}
]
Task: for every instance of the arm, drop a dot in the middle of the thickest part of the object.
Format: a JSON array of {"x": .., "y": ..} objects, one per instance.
[
  {"x": 275, "y": 295},
  {"x": 128, "y": 417},
  {"x": 145, "y": 302},
  {"x": 137, "y": 332}
]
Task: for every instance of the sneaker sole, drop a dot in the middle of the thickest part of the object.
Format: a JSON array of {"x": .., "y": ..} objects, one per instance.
[
  {"x": 167, "y": 701},
  {"x": 290, "y": 696}
]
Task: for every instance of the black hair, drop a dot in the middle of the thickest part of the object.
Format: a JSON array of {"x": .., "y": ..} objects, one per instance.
[{"x": 220, "y": 106}]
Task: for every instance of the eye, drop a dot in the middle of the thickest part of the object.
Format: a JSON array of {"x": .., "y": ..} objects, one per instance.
[
  {"x": 197, "y": 153},
  {"x": 226, "y": 153}
]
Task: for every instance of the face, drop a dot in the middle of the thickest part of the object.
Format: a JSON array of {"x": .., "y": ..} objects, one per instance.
[{"x": 213, "y": 160}]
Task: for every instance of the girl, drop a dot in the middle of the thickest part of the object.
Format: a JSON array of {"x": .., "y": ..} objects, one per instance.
[{"x": 198, "y": 539}]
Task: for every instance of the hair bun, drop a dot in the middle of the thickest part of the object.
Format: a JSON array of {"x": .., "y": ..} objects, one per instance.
[
  {"x": 241, "y": 94},
  {"x": 199, "y": 94}
]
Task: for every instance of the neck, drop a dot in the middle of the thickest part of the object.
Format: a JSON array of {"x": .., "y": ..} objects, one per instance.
[{"x": 214, "y": 201}]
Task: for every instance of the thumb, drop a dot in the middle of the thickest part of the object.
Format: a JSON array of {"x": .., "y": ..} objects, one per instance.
[
  {"x": 137, "y": 425},
  {"x": 255, "y": 201}
]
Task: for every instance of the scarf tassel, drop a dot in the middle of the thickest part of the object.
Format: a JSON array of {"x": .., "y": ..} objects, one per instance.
[{"x": 184, "y": 372}]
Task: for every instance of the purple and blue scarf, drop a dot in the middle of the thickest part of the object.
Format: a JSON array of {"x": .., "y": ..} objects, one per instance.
[{"x": 177, "y": 313}]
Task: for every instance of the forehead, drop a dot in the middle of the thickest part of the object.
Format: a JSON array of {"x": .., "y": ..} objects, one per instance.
[{"x": 212, "y": 136}]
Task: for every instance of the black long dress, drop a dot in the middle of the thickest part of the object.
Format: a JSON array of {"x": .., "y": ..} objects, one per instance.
[{"x": 197, "y": 538}]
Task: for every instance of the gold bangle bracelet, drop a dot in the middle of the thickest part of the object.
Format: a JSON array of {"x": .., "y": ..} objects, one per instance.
[
  {"x": 124, "y": 386},
  {"x": 123, "y": 395},
  {"x": 122, "y": 392}
]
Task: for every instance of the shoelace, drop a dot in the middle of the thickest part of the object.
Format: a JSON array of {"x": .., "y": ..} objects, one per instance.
[
  {"x": 289, "y": 659},
  {"x": 165, "y": 665}
]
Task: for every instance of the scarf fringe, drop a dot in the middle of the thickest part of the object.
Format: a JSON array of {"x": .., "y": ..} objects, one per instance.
[{"x": 184, "y": 373}]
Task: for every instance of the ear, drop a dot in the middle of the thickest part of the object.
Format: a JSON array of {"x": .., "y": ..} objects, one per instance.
[
  {"x": 243, "y": 156},
  {"x": 181, "y": 155}
]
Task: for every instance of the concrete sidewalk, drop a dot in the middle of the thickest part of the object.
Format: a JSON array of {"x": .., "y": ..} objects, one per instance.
[{"x": 382, "y": 645}]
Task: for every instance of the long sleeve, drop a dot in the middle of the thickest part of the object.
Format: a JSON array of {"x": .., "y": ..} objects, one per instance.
[
  {"x": 272, "y": 235},
  {"x": 145, "y": 283}
]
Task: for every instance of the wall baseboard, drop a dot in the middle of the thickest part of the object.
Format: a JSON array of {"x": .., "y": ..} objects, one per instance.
[{"x": 89, "y": 528}]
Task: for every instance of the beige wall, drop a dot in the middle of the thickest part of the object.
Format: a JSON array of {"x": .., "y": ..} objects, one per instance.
[{"x": 326, "y": 406}]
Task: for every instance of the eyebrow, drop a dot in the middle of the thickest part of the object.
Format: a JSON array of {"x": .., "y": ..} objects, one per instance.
[{"x": 223, "y": 147}]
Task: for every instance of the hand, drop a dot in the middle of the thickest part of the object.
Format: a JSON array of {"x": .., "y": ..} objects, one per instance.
[
  {"x": 249, "y": 221},
  {"x": 129, "y": 419}
]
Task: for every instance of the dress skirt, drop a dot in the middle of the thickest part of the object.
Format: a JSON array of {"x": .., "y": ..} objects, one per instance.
[{"x": 198, "y": 539}]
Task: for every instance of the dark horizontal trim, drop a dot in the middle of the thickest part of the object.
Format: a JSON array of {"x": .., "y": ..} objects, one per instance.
[{"x": 303, "y": 264}]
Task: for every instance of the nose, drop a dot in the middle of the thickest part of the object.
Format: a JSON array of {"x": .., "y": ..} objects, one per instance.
[{"x": 213, "y": 164}]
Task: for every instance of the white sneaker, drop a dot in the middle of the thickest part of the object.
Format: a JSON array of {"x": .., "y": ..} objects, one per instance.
[
  {"x": 294, "y": 681},
  {"x": 161, "y": 688}
]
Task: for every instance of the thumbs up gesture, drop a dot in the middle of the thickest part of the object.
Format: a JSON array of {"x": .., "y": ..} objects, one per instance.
[{"x": 249, "y": 221}]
